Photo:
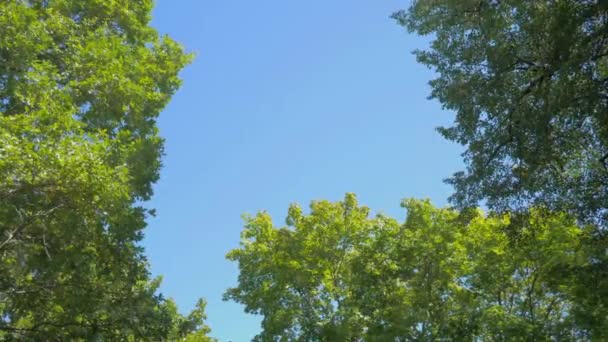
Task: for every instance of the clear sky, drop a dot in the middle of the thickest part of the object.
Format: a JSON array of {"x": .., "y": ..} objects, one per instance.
[{"x": 287, "y": 101}]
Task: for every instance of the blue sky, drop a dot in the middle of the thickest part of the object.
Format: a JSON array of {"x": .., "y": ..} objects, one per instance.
[{"x": 287, "y": 101}]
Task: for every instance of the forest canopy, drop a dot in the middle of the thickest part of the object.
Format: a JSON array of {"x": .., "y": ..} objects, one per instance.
[
  {"x": 340, "y": 274},
  {"x": 81, "y": 86},
  {"x": 528, "y": 82}
]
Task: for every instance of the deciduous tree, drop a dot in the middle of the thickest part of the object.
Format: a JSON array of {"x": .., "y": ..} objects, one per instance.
[
  {"x": 528, "y": 81},
  {"x": 337, "y": 274},
  {"x": 81, "y": 85}
]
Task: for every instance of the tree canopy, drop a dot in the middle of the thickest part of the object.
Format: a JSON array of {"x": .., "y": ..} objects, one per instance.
[
  {"x": 81, "y": 86},
  {"x": 338, "y": 274},
  {"x": 528, "y": 82},
  {"x": 83, "y": 82}
]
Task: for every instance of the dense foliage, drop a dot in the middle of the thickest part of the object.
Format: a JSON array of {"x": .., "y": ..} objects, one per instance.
[
  {"x": 528, "y": 81},
  {"x": 81, "y": 84},
  {"x": 337, "y": 274}
]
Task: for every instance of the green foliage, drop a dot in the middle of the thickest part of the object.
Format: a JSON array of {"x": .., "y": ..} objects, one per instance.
[
  {"x": 81, "y": 85},
  {"x": 337, "y": 274},
  {"x": 527, "y": 80},
  {"x": 191, "y": 328}
]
